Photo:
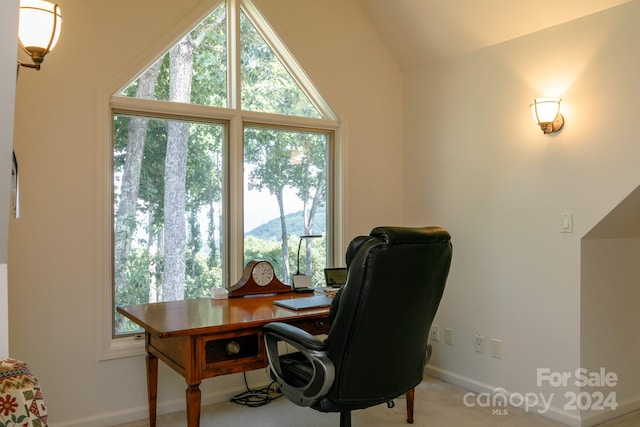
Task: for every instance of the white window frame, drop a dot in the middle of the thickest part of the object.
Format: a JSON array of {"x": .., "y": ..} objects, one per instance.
[{"x": 110, "y": 347}]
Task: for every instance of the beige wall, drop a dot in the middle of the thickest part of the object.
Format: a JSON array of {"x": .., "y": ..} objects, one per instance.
[
  {"x": 54, "y": 254},
  {"x": 476, "y": 164}
]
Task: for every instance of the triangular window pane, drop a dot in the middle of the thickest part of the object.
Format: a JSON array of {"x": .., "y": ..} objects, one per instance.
[
  {"x": 204, "y": 55},
  {"x": 266, "y": 85}
]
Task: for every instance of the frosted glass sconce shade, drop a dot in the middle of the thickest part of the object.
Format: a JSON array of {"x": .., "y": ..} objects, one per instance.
[
  {"x": 39, "y": 29},
  {"x": 546, "y": 113}
]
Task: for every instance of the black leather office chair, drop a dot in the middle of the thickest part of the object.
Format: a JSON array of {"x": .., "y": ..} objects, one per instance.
[{"x": 376, "y": 349}]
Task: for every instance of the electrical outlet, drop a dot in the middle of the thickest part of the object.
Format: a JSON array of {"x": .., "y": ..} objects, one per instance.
[
  {"x": 435, "y": 333},
  {"x": 479, "y": 344},
  {"x": 448, "y": 336},
  {"x": 496, "y": 348}
]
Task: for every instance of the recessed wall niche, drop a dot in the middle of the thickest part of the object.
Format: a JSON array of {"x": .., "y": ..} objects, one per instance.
[{"x": 610, "y": 295}]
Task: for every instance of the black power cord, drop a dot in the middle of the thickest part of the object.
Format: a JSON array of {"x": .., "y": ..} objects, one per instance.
[{"x": 256, "y": 398}]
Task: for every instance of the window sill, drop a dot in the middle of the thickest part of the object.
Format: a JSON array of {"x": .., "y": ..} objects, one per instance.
[{"x": 116, "y": 348}]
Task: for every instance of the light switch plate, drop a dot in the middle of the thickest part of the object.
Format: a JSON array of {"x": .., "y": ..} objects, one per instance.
[{"x": 566, "y": 222}]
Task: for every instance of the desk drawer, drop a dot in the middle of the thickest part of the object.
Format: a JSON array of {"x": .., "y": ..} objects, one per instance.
[
  {"x": 232, "y": 352},
  {"x": 231, "y": 348}
]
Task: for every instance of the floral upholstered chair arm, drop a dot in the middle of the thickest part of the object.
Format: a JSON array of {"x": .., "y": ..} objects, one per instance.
[{"x": 21, "y": 402}]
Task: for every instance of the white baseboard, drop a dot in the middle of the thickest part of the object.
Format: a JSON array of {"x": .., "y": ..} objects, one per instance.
[
  {"x": 127, "y": 415},
  {"x": 479, "y": 387},
  {"x": 587, "y": 419}
]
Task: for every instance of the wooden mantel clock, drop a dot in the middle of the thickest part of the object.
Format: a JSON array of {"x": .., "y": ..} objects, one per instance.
[{"x": 258, "y": 278}]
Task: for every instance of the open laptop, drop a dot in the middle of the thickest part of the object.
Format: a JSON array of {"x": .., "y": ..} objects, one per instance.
[{"x": 335, "y": 277}]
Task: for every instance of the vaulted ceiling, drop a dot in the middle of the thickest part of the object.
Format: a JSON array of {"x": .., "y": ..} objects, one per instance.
[{"x": 419, "y": 32}]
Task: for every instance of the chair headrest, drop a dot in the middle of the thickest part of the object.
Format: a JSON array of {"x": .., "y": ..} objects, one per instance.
[
  {"x": 403, "y": 235},
  {"x": 353, "y": 247}
]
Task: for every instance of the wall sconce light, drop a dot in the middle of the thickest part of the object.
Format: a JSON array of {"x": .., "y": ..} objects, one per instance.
[
  {"x": 546, "y": 113},
  {"x": 39, "y": 29}
]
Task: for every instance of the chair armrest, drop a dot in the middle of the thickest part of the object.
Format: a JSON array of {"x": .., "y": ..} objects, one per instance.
[
  {"x": 321, "y": 369},
  {"x": 295, "y": 336}
]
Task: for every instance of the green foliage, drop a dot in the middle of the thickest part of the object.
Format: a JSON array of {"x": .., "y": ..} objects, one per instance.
[
  {"x": 271, "y": 250},
  {"x": 138, "y": 278},
  {"x": 267, "y": 250},
  {"x": 209, "y": 82},
  {"x": 266, "y": 84},
  {"x": 201, "y": 279}
]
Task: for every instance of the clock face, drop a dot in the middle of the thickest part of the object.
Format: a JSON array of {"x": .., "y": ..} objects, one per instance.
[{"x": 262, "y": 273}]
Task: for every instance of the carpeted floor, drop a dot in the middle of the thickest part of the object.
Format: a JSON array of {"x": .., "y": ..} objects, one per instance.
[{"x": 438, "y": 404}]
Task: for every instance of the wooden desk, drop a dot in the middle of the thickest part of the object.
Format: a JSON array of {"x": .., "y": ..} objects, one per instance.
[{"x": 204, "y": 338}]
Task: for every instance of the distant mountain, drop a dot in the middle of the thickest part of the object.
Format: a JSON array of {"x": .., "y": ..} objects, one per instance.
[{"x": 271, "y": 230}]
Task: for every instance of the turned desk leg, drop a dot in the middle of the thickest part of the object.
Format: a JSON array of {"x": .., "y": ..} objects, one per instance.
[
  {"x": 411, "y": 394},
  {"x": 152, "y": 387},
  {"x": 193, "y": 405}
]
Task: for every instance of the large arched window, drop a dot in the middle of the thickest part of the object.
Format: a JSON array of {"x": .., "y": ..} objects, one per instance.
[{"x": 223, "y": 152}]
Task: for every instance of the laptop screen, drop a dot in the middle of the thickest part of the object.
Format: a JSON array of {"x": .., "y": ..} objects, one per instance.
[{"x": 335, "y": 277}]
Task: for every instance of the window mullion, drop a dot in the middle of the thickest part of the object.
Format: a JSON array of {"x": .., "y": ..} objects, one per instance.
[
  {"x": 169, "y": 110},
  {"x": 234, "y": 186},
  {"x": 233, "y": 52},
  {"x": 235, "y": 203}
]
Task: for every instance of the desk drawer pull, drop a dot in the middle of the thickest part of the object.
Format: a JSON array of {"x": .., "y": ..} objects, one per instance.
[{"x": 231, "y": 348}]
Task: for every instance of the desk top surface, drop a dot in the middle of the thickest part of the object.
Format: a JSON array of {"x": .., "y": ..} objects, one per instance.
[{"x": 204, "y": 315}]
